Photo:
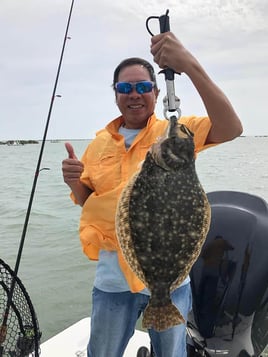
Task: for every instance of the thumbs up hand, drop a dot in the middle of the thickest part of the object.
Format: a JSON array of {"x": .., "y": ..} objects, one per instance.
[{"x": 72, "y": 168}]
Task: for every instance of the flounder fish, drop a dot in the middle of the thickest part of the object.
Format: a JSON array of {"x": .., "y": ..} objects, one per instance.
[{"x": 162, "y": 219}]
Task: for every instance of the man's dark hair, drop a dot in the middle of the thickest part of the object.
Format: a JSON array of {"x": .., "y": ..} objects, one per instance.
[{"x": 133, "y": 61}]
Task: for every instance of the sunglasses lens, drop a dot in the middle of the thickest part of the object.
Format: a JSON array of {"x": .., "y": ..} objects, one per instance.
[
  {"x": 141, "y": 87},
  {"x": 123, "y": 87},
  {"x": 144, "y": 87}
]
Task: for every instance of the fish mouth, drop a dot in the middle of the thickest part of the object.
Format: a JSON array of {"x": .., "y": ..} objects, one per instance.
[
  {"x": 175, "y": 147},
  {"x": 175, "y": 129},
  {"x": 173, "y": 125}
]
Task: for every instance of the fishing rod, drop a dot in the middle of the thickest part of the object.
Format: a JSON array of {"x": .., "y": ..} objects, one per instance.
[{"x": 3, "y": 327}]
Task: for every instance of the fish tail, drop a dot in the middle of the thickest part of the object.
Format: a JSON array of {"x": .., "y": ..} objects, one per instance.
[{"x": 162, "y": 317}]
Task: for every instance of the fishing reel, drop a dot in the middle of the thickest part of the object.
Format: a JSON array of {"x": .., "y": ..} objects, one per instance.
[{"x": 19, "y": 330}]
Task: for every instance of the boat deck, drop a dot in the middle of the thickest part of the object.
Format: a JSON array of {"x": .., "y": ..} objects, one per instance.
[{"x": 72, "y": 342}]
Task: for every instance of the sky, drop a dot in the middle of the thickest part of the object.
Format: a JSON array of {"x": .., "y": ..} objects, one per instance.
[{"x": 229, "y": 38}]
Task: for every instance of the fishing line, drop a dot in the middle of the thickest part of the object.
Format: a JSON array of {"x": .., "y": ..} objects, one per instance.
[{"x": 3, "y": 327}]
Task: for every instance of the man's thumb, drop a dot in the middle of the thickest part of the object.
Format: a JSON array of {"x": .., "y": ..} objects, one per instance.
[{"x": 70, "y": 151}]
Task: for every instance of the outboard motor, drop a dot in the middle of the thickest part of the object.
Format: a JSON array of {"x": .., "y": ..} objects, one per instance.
[{"x": 230, "y": 279}]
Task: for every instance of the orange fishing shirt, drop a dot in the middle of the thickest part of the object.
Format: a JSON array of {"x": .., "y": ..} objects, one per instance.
[{"x": 108, "y": 166}]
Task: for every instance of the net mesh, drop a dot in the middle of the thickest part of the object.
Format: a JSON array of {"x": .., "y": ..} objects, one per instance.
[{"x": 20, "y": 336}]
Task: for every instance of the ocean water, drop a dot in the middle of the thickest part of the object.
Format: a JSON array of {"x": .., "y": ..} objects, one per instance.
[{"x": 53, "y": 269}]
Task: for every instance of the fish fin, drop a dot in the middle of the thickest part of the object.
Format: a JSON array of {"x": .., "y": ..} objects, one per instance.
[
  {"x": 123, "y": 230},
  {"x": 162, "y": 317}
]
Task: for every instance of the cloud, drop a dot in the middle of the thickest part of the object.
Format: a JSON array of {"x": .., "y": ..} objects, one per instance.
[{"x": 228, "y": 37}]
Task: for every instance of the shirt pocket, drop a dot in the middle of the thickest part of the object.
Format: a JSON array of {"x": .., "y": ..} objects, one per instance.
[{"x": 105, "y": 173}]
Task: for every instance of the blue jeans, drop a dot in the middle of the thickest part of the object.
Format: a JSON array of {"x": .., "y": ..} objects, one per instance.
[{"x": 114, "y": 317}]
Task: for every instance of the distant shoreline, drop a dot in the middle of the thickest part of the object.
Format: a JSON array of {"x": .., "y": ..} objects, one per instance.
[
  {"x": 18, "y": 142},
  {"x": 24, "y": 142}
]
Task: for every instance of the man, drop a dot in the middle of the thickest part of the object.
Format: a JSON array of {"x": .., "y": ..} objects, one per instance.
[{"x": 109, "y": 161}]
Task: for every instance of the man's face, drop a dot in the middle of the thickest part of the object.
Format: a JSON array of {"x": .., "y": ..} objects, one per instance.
[{"x": 136, "y": 108}]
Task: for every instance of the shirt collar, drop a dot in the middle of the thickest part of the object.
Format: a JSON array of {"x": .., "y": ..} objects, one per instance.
[{"x": 114, "y": 125}]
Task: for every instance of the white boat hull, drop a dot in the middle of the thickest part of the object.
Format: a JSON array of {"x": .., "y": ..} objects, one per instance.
[{"x": 72, "y": 342}]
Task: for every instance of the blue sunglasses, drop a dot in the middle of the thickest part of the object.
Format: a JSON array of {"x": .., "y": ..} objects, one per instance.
[{"x": 140, "y": 87}]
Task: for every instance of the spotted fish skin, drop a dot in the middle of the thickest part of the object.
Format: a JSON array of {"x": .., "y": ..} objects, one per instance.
[{"x": 162, "y": 220}]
